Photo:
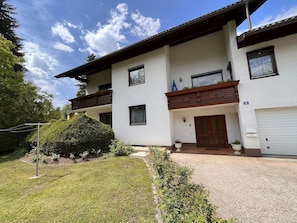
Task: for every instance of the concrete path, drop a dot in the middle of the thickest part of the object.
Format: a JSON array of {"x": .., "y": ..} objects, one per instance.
[{"x": 262, "y": 190}]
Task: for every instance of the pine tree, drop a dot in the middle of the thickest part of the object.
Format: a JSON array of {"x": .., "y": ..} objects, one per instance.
[
  {"x": 82, "y": 85},
  {"x": 91, "y": 57},
  {"x": 8, "y": 24}
]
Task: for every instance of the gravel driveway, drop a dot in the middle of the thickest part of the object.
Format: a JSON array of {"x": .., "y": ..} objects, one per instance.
[{"x": 262, "y": 190}]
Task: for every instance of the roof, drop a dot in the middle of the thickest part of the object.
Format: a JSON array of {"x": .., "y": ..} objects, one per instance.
[
  {"x": 268, "y": 32},
  {"x": 198, "y": 27}
]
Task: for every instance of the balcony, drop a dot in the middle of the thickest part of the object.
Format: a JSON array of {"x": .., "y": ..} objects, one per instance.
[
  {"x": 215, "y": 94},
  {"x": 91, "y": 100}
]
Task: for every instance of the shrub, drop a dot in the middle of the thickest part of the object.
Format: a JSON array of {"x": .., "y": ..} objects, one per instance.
[
  {"x": 75, "y": 136},
  {"x": 180, "y": 200},
  {"x": 84, "y": 155},
  {"x": 96, "y": 152},
  {"x": 55, "y": 157},
  {"x": 10, "y": 141},
  {"x": 119, "y": 148},
  {"x": 71, "y": 156}
]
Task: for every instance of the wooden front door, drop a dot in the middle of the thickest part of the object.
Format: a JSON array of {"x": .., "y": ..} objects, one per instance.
[{"x": 211, "y": 131}]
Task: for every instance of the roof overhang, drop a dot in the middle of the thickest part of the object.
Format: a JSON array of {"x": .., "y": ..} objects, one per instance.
[
  {"x": 201, "y": 26},
  {"x": 268, "y": 32}
]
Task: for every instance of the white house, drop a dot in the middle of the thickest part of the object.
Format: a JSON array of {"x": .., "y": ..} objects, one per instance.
[{"x": 228, "y": 87}]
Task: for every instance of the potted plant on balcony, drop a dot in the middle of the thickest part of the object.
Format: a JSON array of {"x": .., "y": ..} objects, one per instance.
[
  {"x": 236, "y": 146},
  {"x": 178, "y": 144}
]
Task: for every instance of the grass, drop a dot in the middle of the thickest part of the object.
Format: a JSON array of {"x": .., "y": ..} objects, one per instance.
[{"x": 112, "y": 190}]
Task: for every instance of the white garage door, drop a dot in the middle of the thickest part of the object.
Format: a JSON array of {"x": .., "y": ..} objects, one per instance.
[{"x": 278, "y": 131}]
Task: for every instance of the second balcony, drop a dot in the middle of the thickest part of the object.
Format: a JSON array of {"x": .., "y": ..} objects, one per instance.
[{"x": 91, "y": 100}]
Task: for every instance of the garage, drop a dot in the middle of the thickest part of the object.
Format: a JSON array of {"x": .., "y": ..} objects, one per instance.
[{"x": 277, "y": 130}]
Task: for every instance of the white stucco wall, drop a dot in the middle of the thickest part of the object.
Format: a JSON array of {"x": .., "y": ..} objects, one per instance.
[
  {"x": 185, "y": 131},
  {"x": 198, "y": 56},
  {"x": 99, "y": 78},
  {"x": 94, "y": 112},
  {"x": 151, "y": 93},
  {"x": 229, "y": 31},
  {"x": 268, "y": 92}
]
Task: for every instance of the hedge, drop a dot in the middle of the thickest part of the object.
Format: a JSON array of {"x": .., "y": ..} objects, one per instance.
[
  {"x": 180, "y": 200},
  {"x": 79, "y": 134}
]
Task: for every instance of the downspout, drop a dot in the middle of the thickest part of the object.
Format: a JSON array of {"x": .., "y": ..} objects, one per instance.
[{"x": 247, "y": 11}]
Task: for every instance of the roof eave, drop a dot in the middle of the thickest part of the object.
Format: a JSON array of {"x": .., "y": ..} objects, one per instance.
[
  {"x": 268, "y": 32},
  {"x": 201, "y": 26}
]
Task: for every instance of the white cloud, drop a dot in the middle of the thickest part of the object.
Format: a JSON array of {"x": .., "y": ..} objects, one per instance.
[
  {"x": 60, "y": 30},
  {"x": 283, "y": 15},
  {"x": 70, "y": 25},
  {"x": 36, "y": 58},
  {"x": 41, "y": 68},
  {"x": 63, "y": 47},
  {"x": 108, "y": 37},
  {"x": 145, "y": 26}
]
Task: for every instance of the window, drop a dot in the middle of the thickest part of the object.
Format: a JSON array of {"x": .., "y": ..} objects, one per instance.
[
  {"x": 136, "y": 75},
  {"x": 106, "y": 118},
  {"x": 104, "y": 87},
  {"x": 206, "y": 79},
  {"x": 262, "y": 63},
  {"x": 137, "y": 115}
]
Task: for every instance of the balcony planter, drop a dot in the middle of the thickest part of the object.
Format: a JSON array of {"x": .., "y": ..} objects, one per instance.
[
  {"x": 178, "y": 145},
  {"x": 236, "y": 146}
]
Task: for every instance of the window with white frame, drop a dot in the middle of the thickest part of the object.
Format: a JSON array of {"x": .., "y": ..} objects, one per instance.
[
  {"x": 136, "y": 75},
  {"x": 137, "y": 115},
  {"x": 262, "y": 63}
]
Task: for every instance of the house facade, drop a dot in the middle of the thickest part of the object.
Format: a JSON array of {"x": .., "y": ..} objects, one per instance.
[{"x": 202, "y": 84}]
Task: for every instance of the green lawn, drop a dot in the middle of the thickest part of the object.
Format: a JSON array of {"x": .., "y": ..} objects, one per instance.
[{"x": 111, "y": 190}]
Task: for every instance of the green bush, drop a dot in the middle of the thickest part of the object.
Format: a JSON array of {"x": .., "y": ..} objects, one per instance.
[
  {"x": 119, "y": 148},
  {"x": 180, "y": 200},
  {"x": 79, "y": 134}
]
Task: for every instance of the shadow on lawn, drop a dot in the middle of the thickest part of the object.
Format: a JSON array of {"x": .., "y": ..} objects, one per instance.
[
  {"x": 7, "y": 158},
  {"x": 11, "y": 156}
]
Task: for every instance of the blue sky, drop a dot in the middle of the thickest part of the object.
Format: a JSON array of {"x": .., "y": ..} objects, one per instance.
[{"x": 58, "y": 35}]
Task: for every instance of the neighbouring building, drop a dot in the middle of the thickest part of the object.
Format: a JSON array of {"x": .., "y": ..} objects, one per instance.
[{"x": 202, "y": 84}]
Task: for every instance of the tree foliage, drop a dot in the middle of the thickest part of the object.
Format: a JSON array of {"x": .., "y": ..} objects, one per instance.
[
  {"x": 20, "y": 101},
  {"x": 8, "y": 24},
  {"x": 11, "y": 82},
  {"x": 82, "y": 85},
  {"x": 91, "y": 58}
]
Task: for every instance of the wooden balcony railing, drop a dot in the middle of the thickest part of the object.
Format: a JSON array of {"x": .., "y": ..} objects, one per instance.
[
  {"x": 222, "y": 93},
  {"x": 97, "y": 99}
]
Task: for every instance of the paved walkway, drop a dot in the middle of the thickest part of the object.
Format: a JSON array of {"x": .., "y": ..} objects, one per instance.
[{"x": 262, "y": 190}]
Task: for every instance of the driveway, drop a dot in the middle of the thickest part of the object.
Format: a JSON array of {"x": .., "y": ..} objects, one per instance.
[{"x": 262, "y": 190}]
